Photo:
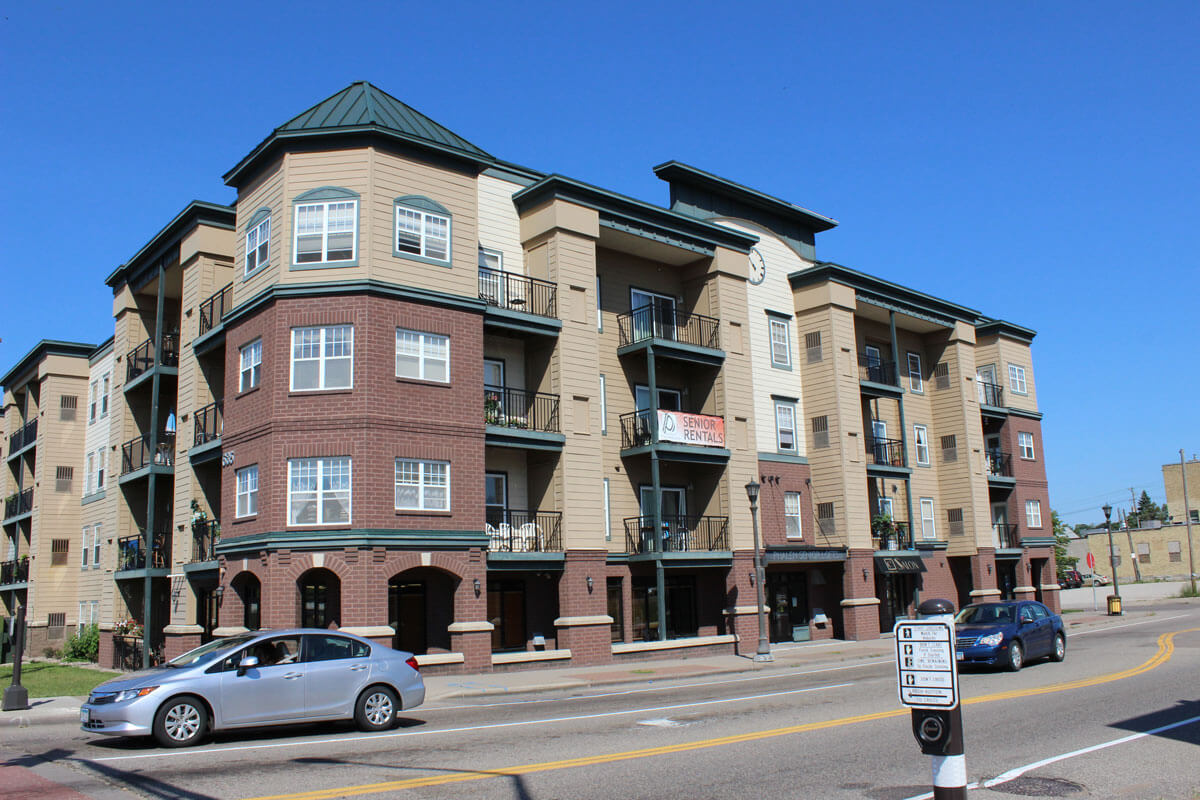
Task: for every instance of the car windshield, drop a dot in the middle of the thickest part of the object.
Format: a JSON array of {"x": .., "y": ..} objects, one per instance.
[
  {"x": 984, "y": 615},
  {"x": 210, "y": 651}
]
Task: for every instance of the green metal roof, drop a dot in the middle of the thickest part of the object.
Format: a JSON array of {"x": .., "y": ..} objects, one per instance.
[
  {"x": 46, "y": 347},
  {"x": 1004, "y": 328},
  {"x": 910, "y": 301},
  {"x": 362, "y": 108}
]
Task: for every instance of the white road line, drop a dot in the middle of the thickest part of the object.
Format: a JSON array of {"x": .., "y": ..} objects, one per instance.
[
  {"x": 664, "y": 688},
  {"x": 464, "y": 729},
  {"x": 1017, "y": 772},
  {"x": 1126, "y": 625}
]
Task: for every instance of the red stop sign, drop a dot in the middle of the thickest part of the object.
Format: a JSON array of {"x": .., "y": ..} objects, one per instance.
[{"x": 1091, "y": 561}]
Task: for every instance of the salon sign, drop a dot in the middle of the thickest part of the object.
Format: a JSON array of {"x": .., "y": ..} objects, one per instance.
[{"x": 695, "y": 429}]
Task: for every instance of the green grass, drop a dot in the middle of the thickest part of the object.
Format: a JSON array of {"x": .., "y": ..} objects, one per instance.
[
  {"x": 1187, "y": 591},
  {"x": 56, "y": 680}
]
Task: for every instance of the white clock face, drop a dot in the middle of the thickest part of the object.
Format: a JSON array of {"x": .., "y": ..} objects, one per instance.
[{"x": 758, "y": 267}]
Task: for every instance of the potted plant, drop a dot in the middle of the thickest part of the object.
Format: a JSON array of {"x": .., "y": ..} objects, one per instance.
[
  {"x": 491, "y": 409},
  {"x": 885, "y": 529}
]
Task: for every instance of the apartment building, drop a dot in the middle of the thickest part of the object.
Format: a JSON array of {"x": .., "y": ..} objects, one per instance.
[
  {"x": 97, "y": 502},
  {"x": 502, "y": 418},
  {"x": 1153, "y": 552},
  {"x": 44, "y": 466}
]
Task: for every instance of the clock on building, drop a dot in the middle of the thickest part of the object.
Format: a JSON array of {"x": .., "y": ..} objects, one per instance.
[{"x": 758, "y": 267}]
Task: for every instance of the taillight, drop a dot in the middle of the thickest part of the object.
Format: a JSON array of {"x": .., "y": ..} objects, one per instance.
[{"x": 412, "y": 662}]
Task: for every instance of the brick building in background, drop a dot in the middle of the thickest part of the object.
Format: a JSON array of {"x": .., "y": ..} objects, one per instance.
[{"x": 503, "y": 418}]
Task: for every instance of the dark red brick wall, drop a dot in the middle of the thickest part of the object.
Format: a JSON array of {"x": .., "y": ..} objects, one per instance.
[
  {"x": 1030, "y": 475},
  {"x": 777, "y": 478}
]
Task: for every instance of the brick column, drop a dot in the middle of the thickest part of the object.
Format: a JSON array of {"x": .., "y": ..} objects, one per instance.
[
  {"x": 983, "y": 575},
  {"x": 860, "y": 608},
  {"x": 583, "y": 625}
]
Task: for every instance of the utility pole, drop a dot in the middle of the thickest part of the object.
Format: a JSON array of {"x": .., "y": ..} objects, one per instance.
[
  {"x": 1137, "y": 570},
  {"x": 1187, "y": 515}
]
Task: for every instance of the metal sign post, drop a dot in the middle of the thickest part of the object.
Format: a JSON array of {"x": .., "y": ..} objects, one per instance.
[
  {"x": 927, "y": 679},
  {"x": 1091, "y": 562},
  {"x": 16, "y": 696}
]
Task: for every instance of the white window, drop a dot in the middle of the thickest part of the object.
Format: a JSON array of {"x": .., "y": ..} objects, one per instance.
[
  {"x": 86, "y": 551},
  {"x": 258, "y": 245},
  {"x": 319, "y": 491},
  {"x": 916, "y": 381},
  {"x": 599, "y": 312},
  {"x": 93, "y": 393},
  {"x": 104, "y": 389},
  {"x": 422, "y": 233},
  {"x": 101, "y": 463},
  {"x": 1033, "y": 513},
  {"x": 921, "y": 440},
  {"x": 251, "y": 365},
  {"x": 326, "y": 232},
  {"x": 95, "y": 554},
  {"x": 791, "y": 515},
  {"x": 1025, "y": 441},
  {"x": 89, "y": 478},
  {"x": 607, "y": 513},
  {"x": 1016, "y": 378},
  {"x": 424, "y": 356},
  {"x": 422, "y": 485},
  {"x": 603, "y": 407},
  {"x": 322, "y": 358},
  {"x": 781, "y": 346},
  {"x": 247, "y": 491},
  {"x": 491, "y": 259},
  {"x": 886, "y": 507},
  {"x": 928, "y": 531},
  {"x": 785, "y": 427}
]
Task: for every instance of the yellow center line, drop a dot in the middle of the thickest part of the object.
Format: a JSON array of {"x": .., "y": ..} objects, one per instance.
[{"x": 1166, "y": 647}]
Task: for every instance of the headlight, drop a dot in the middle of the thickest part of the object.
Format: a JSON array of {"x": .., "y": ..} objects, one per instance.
[
  {"x": 130, "y": 694},
  {"x": 991, "y": 640}
]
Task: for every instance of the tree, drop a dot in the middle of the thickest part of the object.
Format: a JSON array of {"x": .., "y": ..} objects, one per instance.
[
  {"x": 1147, "y": 511},
  {"x": 1064, "y": 561}
]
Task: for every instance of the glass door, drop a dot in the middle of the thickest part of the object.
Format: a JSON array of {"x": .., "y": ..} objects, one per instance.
[
  {"x": 653, "y": 315},
  {"x": 675, "y": 535}
]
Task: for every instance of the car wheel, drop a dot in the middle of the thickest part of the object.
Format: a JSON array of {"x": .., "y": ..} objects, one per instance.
[
  {"x": 1016, "y": 656},
  {"x": 1060, "y": 648},
  {"x": 376, "y": 709},
  {"x": 181, "y": 721}
]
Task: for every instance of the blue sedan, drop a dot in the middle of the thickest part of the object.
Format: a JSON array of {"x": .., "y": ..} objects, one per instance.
[{"x": 1009, "y": 633}]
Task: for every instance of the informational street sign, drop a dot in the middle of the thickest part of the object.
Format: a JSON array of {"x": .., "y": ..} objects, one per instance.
[{"x": 925, "y": 666}]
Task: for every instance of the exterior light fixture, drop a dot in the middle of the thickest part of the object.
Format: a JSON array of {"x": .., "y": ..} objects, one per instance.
[{"x": 764, "y": 648}]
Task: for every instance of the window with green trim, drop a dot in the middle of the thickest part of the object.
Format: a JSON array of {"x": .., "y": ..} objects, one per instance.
[
  {"x": 258, "y": 241},
  {"x": 326, "y": 227},
  {"x": 422, "y": 229}
]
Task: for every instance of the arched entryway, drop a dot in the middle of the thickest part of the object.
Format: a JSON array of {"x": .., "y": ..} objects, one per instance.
[
  {"x": 420, "y": 610},
  {"x": 320, "y": 598},
  {"x": 249, "y": 592}
]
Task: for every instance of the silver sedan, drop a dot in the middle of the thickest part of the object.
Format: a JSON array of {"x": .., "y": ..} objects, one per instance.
[{"x": 260, "y": 678}]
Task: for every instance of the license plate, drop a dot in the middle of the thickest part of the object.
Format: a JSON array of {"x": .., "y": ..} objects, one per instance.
[
  {"x": 85, "y": 715},
  {"x": 959, "y": 655}
]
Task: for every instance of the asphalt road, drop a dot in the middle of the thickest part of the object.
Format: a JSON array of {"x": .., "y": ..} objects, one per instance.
[{"x": 832, "y": 732}]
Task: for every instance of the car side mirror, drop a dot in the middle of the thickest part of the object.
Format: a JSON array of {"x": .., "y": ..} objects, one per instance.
[
  {"x": 1026, "y": 621},
  {"x": 247, "y": 662}
]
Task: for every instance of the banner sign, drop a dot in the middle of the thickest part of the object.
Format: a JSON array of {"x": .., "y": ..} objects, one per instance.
[{"x": 697, "y": 429}]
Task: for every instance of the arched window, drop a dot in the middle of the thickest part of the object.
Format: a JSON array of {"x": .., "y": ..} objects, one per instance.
[
  {"x": 422, "y": 230},
  {"x": 320, "y": 599},
  {"x": 325, "y": 231}
]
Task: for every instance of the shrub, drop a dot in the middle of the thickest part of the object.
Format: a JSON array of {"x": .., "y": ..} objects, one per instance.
[
  {"x": 50, "y": 652},
  {"x": 1187, "y": 591},
  {"x": 84, "y": 645}
]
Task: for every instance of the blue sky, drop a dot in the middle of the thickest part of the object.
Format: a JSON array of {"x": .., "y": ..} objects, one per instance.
[{"x": 1035, "y": 161}]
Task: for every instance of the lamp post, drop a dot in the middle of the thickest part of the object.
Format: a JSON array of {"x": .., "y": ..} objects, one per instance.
[
  {"x": 1112, "y": 558},
  {"x": 764, "y": 647}
]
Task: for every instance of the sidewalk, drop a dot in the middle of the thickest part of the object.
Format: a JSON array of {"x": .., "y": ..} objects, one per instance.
[{"x": 812, "y": 655}]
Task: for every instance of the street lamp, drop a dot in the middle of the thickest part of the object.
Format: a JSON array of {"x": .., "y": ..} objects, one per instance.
[
  {"x": 1112, "y": 556},
  {"x": 764, "y": 647}
]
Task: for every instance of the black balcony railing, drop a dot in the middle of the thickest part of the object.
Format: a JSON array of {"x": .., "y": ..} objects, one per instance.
[
  {"x": 205, "y": 536},
  {"x": 991, "y": 394},
  {"x": 137, "y": 453},
  {"x": 513, "y": 531},
  {"x": 18, "y": 503},
  {"x": 25, "y": 435},
  {"x": 876, "y": 370},
  {"x": 131, "y": 551},
  {"x": 1005, "y": 535},
  {"x": 214, "y": 309},
  {"x": 999, "y": 464},
  {"x": 885, "y": 452},
  {"x": 656, "y": 322},
  {"x": 636, "y": 430},
  {"x": 142, "y": 357},
  {"x": 517, "y": 408},
  {"x": 518, "y": 292},
  {"x": 16, "y": 571},
  {"x": 680, "y": 534},
  {"x": 207, "y": 422},
  {"x": 898, "y": 538},
  {"x": 127, "y": 652}
]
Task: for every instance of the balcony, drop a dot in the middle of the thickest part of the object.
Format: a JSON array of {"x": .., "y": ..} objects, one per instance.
[
  {"x": 16, "y": 571},
  {"x": 1004, "y": 536},
  {"x": 999, "y": 468},
  {"x": 25, "y": 436},
  {"x": 205, "y": 536},
  {"x": 885, "y": 453},
  {"x": 513, "y": 531},
  {"x": 526, "y": 420},
  {"x": 18, "y": 503},
  {"x": 142, "y": 358},
  {"x": 697, "y": 438},
  {"x": 668, "y": 325},
  {"x": 891, "y": 535},
  {"x": 514, "y": 292},
  {"x": 137, "y": 454},
  {"x": 214, "y": 309},
  {"x": 878, "y": 377},
  {"x": 131, "y": 552},
  {"x": 990, "y": 394},
  {"x": 680, "y": 534}
]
